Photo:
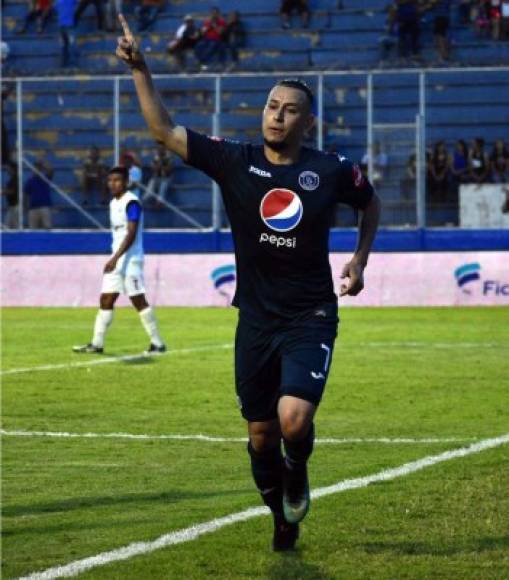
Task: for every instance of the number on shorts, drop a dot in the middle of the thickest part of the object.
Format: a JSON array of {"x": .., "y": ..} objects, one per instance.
[{"x": 327, "y": 356}]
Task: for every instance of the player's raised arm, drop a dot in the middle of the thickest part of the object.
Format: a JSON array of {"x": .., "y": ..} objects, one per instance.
[{"x": 159, "y": 122}]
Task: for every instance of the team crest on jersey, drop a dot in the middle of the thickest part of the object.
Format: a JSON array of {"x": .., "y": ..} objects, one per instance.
[
  {"x": 281, "y": 209},
  {"x": 309, "y": 180}
]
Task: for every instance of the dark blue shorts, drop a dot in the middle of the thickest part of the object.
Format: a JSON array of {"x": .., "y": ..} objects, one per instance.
[{"x": 284, "y": 358}]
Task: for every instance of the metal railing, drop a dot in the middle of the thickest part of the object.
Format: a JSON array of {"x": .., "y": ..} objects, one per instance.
[{"x": 365, "y": 83}]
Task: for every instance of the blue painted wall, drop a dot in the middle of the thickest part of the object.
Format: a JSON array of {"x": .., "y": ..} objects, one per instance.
[{"x": 172, "y": 242}]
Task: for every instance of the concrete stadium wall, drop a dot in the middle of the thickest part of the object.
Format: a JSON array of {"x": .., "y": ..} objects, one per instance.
[{"x": 392, "y": 279}]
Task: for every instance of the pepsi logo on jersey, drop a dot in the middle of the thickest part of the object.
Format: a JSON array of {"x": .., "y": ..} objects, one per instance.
[{"x": 281, "y": 210}]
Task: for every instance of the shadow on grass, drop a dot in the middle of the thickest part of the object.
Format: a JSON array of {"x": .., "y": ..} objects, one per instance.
[
  {"x": 93, "y": 502},
  {"x": 291, "y": 566},
  {"x": 422, "y": 549},
  {"x": 138, "y": 360}
]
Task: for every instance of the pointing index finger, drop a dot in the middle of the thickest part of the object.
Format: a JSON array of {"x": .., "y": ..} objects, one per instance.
[{"x": 125, "y": 27}]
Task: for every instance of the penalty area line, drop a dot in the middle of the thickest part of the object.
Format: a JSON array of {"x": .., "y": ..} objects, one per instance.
[
  {"x": 113, "y": 359},
  {"x": 217, "y": 439},
  {"x": 194, "y": 532}
]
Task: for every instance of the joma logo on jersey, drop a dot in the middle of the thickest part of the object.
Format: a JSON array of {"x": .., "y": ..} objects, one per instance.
[
  {"x": 281, "y": 210},
  {"x": 260, "y": 172}
]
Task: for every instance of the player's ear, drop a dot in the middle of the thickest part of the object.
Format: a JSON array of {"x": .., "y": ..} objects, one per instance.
[{"x": 310, "y": 123}]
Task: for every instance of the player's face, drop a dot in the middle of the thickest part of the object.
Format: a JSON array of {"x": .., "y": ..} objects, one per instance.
[
  {"x": 116, "y": 184},
  {"x": 286, "y": 118}
]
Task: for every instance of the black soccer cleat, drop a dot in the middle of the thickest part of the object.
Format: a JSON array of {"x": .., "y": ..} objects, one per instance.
[
  {"x": 285, "y": 535},
  {"x": 153, "y": 349},
  {"x": 88, "y": 349},
  {"x": 296, "y": 498}
]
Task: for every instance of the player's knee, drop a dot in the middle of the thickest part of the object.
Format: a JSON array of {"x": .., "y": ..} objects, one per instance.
[
  {"x": 294, "y": 425},
  {"x": 106, "y": 303},
  {"x": 264, "y": 439}
]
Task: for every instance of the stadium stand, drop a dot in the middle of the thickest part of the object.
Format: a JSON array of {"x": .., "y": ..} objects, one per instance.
[{"x": 62, "y": 119}]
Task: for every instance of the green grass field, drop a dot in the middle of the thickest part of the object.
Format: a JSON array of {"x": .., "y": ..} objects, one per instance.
[{"x": 397, "y": 373}]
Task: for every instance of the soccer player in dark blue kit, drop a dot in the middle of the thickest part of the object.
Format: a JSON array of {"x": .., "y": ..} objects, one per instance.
[{"x": 280, "y": 198}]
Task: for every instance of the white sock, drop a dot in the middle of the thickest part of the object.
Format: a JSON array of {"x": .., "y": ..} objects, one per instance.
[
  {"x": 148, "y": 319},
  {"x": 102, "y": 321}
]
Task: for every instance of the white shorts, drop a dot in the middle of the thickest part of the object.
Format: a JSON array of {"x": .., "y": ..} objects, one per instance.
[{"x": 116, "y": 282}]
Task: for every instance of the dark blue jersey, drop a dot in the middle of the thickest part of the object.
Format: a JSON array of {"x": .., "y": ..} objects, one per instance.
[{"x": 280, "y": 216}]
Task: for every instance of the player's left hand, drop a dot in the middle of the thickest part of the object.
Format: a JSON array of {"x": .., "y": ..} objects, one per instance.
[
  {"x": 110, "y": 265},
  {"x": 355, "y": 274}
]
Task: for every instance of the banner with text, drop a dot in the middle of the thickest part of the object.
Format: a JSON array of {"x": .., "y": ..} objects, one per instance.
[{"x": 395, "y": 279}]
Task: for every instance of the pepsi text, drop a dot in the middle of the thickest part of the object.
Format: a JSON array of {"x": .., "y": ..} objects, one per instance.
[{"x": 278, "y": 241}]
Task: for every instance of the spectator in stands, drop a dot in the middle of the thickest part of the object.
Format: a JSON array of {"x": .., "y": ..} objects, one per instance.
[
  {"x": 496, "y": 18},
  {"x": 380, "y": 162},
  {"x": 94, "y": 177},
  {"x": 438, "y": 174},
  {"x": 148, "y": 12},
  {"x": 481, "y": 11},
  {"x": 211, "y": 43},
  {"x": 465, "y": 10},
  {"x": 41, "y": 11},
  {"x": 185, "y": 39},
  {"x": 162, "y": 174},
  {"x": 12, "y": 197},
  {"x": 388, "y": 42},
  {"x": 408, "y": 183},
  {"x": 288, "y": 6},
  {"x": 6, "y": 149},
  {"x": 441, "y": 10},
  {"x": 408, "y": 19},
  {"x": 505, "y": 205},
  {"x": 499, "y": 162},
  {"x": 65, "y": 13},
  {"x": 113, "y": 9},
  {"x": 479, "y": 162},
  {"x": 458, "y": 164},
  {"x": 130, "y": 160},
  {"x": 234, "y": 37},
  {"x": 38, "y": 192},
  {"x": 5, "y": 50},
  {"x": 504, "y": 23},
  {"x": 99, "y": 11}
]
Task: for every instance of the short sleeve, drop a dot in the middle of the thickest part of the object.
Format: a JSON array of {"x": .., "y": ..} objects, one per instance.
[
  {"x": 354, "y": 189},
  {"x": 211, "y": 155},
  {"x": 133, "y": 211}
]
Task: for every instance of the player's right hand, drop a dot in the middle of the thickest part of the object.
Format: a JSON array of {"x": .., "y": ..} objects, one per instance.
[
  {"x": 128, "y": 49},
  {"x": 110, "y": 265}
]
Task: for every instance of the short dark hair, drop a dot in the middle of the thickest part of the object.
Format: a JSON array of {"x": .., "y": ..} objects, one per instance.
[
  {"x": 300, "y": 86},
  {"x": 123, "y": 171}
]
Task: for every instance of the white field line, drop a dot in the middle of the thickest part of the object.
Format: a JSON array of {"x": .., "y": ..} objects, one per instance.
[
  {"x": 193, "y": 532},
  {"x": 214, "y": 439},
  {"x": 141, "y": 356},
  {"x": 415, "y": 344},
  {"x": 113, "y": 359}
]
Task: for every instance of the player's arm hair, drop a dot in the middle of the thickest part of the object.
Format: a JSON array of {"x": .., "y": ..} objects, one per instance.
[
  {"x": 127, "y": 242},
  {"x": 368, "y": 225},
  {"x": 159, "y": 122}
]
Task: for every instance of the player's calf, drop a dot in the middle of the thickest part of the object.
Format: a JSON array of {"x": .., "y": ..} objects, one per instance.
[{"x": 296, "y": 496}]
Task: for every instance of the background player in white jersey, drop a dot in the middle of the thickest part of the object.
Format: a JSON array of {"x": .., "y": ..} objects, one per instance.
[{"x": 123, "y": 272}]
